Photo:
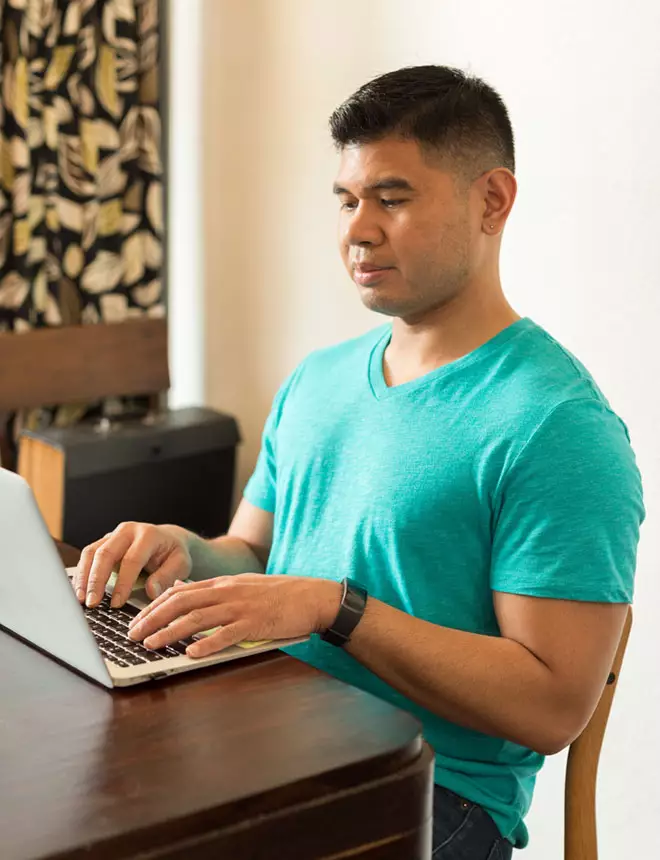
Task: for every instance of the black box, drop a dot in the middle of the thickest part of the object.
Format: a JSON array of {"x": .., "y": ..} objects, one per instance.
[{"x": 176, "y": 467}]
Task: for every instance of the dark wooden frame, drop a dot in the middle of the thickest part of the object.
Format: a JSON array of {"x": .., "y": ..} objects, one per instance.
[{"x": 75, "y": 364}]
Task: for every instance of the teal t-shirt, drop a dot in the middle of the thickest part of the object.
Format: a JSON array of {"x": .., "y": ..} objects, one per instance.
[{"x": 504, "y": 470}]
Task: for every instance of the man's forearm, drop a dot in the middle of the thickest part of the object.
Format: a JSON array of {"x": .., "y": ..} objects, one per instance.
[
  {"x": 222, "y": 556},
  {"x": 487, "y": 683}
]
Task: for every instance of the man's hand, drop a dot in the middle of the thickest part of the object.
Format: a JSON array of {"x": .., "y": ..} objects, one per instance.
[
  {"x": 244, "y": 606},
  {"x": 161, "y": 550}
]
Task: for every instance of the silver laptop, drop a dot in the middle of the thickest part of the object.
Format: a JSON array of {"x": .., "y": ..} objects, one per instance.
[{"x": 38, "y": 605}]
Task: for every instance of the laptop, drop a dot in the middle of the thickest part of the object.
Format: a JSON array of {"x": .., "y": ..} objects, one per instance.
[{"x": 38, "y": 605}]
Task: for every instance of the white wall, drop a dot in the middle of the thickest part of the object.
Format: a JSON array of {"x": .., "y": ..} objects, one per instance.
[
  {"x": 185, "y": 209},
  {"x": 580, "y": 255}
]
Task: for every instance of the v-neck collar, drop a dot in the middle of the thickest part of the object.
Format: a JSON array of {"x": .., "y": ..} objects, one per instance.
[{"x": 381, "y": 390}]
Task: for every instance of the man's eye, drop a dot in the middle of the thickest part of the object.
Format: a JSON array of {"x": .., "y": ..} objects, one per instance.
[
  {"x": 347, "y": 205},
  {"x": 390, "y": 204}
]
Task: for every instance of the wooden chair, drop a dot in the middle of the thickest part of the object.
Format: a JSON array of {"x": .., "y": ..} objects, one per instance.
[{"x": 580, "y": 838}]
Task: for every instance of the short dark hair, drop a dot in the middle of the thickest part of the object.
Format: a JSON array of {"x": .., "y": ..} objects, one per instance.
[{"x": 447, "y": 111}]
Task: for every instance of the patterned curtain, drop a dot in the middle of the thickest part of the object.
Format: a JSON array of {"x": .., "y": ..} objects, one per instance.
[{"x": 81, "y": 195}]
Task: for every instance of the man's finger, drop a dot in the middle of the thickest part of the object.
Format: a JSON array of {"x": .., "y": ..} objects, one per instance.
[
  {"x": 177, "y": 604},
  {"x": 83, "y": 567},
  {"x": 196, "y": 621},
  {"x": 166, "y": 595},
  {"x": 136, "y": 557},
  {"x": 164, "y": 577},
  {"x": 105, "y": 558},
  {"x": 177, "y": 585},
  {"x": 230, "y": 634},
  {"x": 156, "y": 604}
]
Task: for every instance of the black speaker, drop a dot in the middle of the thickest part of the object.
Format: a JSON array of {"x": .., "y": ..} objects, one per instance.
[{"x": 174, "y": 467}]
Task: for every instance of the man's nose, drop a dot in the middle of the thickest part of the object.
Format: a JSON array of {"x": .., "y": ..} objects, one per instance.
[{"x": 362, "y": 227}]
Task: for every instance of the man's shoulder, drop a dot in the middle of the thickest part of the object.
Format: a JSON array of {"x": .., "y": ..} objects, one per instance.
[
  {"x": 539, "y": 374},
  {"x": 548, "y": 401}
]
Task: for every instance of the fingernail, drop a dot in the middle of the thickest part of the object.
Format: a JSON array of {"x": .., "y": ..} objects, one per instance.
[
  {"x": 156, "y": 590},
  {"x": 116, "y": 601},
  {"x": 91, "y": 597},
  {"x": 80, "y": 594}
]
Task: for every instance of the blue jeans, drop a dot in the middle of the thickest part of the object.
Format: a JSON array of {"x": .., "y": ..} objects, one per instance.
[{"x": 464, "y": 831}]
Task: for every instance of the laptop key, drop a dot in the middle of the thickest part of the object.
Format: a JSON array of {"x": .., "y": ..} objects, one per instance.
[
  {"x": 112, "y": 650},
  {"x": 111, "y": 614},
  {"x": 137, "y": 657},
  {"x": 134, "y": 647},
  {"x": 113, "y": 647},
  {"x": 116, "y": 649},
  {"x": 140, "y": 651},
  {"x": 180, "y": 647},
  {"x": 170, "y": 651},
  {"x": 98, "y": 628},
  {"x": 126, "y": 613}
]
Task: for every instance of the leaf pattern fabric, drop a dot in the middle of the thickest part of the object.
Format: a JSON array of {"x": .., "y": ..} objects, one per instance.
[{"x": 81, "y": 196}]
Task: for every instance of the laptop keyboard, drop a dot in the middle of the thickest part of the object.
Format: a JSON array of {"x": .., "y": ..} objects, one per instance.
[{"x": 110, "y": 629}]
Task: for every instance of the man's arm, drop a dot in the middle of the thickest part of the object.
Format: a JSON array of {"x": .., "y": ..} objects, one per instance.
[
  {"x": 537, "y": 685},
  {"x": 244, "y": 549},
  {"x": 566, "y": 517}
]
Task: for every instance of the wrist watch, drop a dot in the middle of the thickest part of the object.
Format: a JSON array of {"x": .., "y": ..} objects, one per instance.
[{"x": 351, "y": 610}]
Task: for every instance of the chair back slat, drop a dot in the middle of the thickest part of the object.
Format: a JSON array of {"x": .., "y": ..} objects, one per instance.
[{"x": 580, "y": 839}]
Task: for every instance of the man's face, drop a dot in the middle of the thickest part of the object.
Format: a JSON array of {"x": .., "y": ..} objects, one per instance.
[{"x": 404, "y": 231}]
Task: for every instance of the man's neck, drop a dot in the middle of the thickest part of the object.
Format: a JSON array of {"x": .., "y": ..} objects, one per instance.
[{"x": 440, "y": 338}]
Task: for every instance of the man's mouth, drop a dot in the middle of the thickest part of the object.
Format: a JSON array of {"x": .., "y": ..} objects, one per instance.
[{"x": 367, "y": 274}]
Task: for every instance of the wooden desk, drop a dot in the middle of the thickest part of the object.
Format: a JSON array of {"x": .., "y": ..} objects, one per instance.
[{"x": 263, "y": 758}]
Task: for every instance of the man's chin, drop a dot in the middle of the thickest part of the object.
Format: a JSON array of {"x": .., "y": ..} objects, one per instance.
[{"x": 386, "y": 305}]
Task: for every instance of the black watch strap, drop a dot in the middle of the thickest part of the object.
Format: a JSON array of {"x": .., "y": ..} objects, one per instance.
[{"x": 353, "y": 603}]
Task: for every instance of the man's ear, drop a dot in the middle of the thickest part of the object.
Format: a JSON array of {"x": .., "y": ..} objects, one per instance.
[{"x": 499, "y": 193}]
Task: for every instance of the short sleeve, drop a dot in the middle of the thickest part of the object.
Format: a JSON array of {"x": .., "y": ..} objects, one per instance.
[
  {"x": 260, "y": 489},
  {"x": 569, "y": 509}
]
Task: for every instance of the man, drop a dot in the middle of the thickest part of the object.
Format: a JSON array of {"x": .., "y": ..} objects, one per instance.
[{"x": 458, "y": 464}]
